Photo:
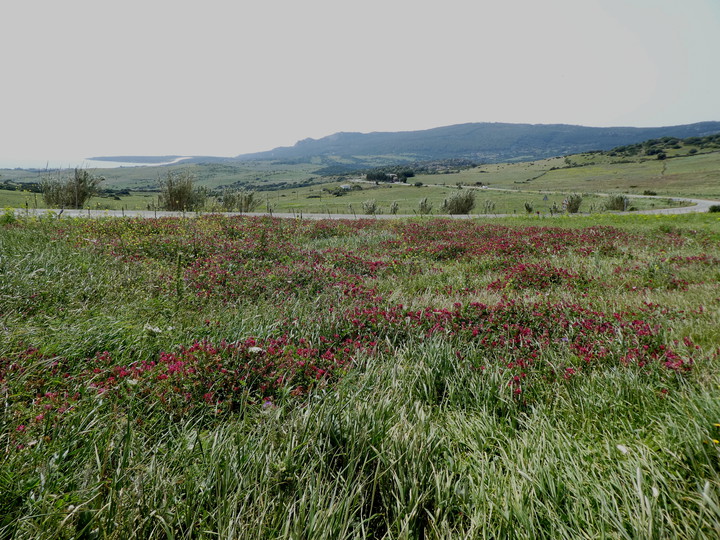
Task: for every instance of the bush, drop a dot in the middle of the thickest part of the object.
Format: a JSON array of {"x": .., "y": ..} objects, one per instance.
[
  {"x": 572, "y": 203},
  {"x": 394, "y": 207},
  {"x": 178, "y": 194},
  {"x": 425, "y": 206},
  {"x": 714, "y": 208},
  {"x": 649, "y": 192},
  {"x": 528, "y": 208},
  {"x": 617, "y": 202},
  {"x": 8, "y": 217},
  {"x": 71, "y": 192},
  {"x": 240, "y": 200},
  {"x": 461, "y": 202},
  {"x": 370, "y": 207}
]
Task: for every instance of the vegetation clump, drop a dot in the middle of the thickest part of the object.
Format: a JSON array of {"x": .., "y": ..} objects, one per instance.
[
  {"x": 617, "y": 202},
  {"x": 572, "y": 203},
  {"x": 177, "y": 192},
  {"x": 424, "y": 206},
  {"x": 239, "y": 200},
  {"x": 72, "y": 192},
  {"x": 460, "y": 202},
  {"x": 370, "y": 207}
]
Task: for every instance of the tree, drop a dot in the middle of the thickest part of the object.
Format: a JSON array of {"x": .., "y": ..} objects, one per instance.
[{"x": 71, "y": 192}]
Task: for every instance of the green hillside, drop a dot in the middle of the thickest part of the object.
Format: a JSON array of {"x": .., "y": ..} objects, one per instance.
[{"x": 666, "y": 167}]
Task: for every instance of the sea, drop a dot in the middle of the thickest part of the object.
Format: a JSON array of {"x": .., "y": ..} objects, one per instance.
[{"x": 72, "y": 163}]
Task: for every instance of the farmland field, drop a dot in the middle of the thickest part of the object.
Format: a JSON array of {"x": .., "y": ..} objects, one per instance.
[{"x": 252, "y": 377}]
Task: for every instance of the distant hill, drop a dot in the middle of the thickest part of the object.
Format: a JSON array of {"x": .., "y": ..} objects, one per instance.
[
  {"x": 479, "y": 142},
  {"x": 476, "y": 142}
]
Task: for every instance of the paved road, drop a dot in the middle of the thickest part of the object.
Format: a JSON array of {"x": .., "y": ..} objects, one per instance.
[{"x": 696, "y": 205}]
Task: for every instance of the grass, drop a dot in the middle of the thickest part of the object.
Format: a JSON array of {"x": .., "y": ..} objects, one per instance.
[
  {"x": 298, "y": 188},
  {"x": 315, "y": 199},
  {"x": 212, "y": 175},
  {"x": 689, "y": 176},
  {"x": 266, "y": 378}
]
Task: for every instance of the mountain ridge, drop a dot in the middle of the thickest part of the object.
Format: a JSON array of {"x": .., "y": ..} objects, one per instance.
[
  {"x": 488, "y": 142},
  {"x": 484, "y": 141}
]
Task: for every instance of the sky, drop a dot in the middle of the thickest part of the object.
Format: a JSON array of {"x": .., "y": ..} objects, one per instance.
[{"x": 83, "y": 78}]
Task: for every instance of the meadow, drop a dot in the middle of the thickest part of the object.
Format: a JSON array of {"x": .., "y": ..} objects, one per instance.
[
  {"x": 301, "y": 187},
  {"x": 688, "y": 175},
  {"x": 252, "y": 377},
  {"x": 319, "y": 200}
]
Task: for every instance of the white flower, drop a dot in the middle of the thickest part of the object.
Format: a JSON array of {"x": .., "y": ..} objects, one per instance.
[
  {"x": 255, "y": 350},
  {"x": 151, "y": 329}
]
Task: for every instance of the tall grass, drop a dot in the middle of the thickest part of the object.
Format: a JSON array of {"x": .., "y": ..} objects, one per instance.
[{"x": 415, "y": 441}]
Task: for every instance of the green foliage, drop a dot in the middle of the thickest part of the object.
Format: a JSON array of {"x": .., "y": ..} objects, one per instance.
[
  {"x": 714, "y": 208},
  {"x": 572, "y": 203},
  {"x": 431, "y": 431},
  {"x": 8, "y": 217},
  {"x": 617, "y": 202},
  {"x": 394, "y": 207},
  {"x": 460, "y": 202},
  {"x": 239, "y": 200},
  {"x": 528, "y": 208},
  {"x": 424, "y": 206},
  {"x": 177, "y": 192},
  {"x": 72, "y": 192},
  {"x": 370, "y": 207},
  {"x": 390, "y": 174}
]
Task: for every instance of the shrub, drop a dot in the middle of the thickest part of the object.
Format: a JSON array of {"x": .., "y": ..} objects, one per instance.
[
  {"x": 572, "y": 203},
  {"x": 394, "y": 207},
  {"x": 71, "y": 192},
  {"x": 461, "y": 202},
  {"x": 714, "y": 208},
  {"x": 8, "y": 217},
  {"x": 425, "y": 207},
  {"x": 649, "y": 192},
  {"x": 240, "y": 200},
  {"x": 370, "y": 207},
  {"x": 177, "y": 192},
  {"x": 617, "y": 202},
  {"x": 528, "y": 208}
]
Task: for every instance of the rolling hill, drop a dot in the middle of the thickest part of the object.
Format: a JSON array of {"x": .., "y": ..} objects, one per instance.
[{"x": 479, "y": 142}]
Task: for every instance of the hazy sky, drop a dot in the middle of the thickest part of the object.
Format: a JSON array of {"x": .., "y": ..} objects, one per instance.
[{"x": 224, "y": 77}]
